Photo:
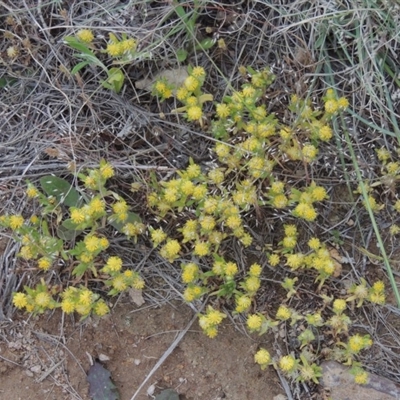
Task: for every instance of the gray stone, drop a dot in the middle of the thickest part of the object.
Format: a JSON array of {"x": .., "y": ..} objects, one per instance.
[{"x": 340, "y": 382}]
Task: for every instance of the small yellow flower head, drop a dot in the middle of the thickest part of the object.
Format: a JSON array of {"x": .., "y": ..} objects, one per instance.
[
  {"x": 192, "y": 101},
  {"x": 254, "y": 322},
  {"x": 201, "y": 249},
  {"x": 361, "y": 377},
  {"x": 290, "y": 230},
  {"x": 318, "y": 193},
  {"x": 129, "y": 44},
  {"x": 92, "y": 243},
  {"x": 119, "y": 283},
  {"x": 343, "y": 103},
  {"x": 283, "y": 313},
  {"x": 138, "y": 283},
  {"x": 277, "y": 187},
  {"x": 189, "y": 230},
  {"x": 314, "y": 243},
  {"x": 81, "y": 309},
  {"x": 198, "y": 72},
  {"x": 157, "y": 236},
  {"x": 106, "y": 171},
  {"x": 211, "y": 332},
  {"x": 187, "y": 187},
  {"x": 222, "y": 150},
  {"x": 77, "y": 215},
  {"x": 26, "y": 252},
  {"x": 115, "y": 49},
  {"x": 331, "y": 106},
  {"x": 252, "y": 284},
  {"x": 242, "y": 303},
  {"x": 273, "y": 260},
  {"x": 34, "y": 219},
  {"x": 101, "y": 308},
  {"x": 114, "y": 264},
  {"x": 289, "y": 242},
  {"x": 182, "y": 93},
  {"x": 255, "y": 270},
  {"x": 215, "y": 317},
  {"x": 207, "y": 223},
  {"x": 234, "y": 222},
  {"x": 96, "y": 206},
  {"x": 356, "y": 343},
  {"x": 378, "y": 287},
  {"x": 120, "y": 207},
  {"x": 133, "y": 229},
  {"x": 68, "y": 306},
  {"x": 171, "y": 249},
  {"x": 325, "y": 133},
  {"x": 20, "y": 300},
  {"x": 223, "y": 110},
  {"x": 314, "y": 319},
  {"x": 262, "y": 357},
  {"x": 86, "y": 297},
  {"x": 377, "y": 298},
  {"x": 216, "y": 176},
  {"x": 42, "y": 299},
  {"x": 32, "y": 192},
  {"x": 305, "y": 211},
  {"x": 280, "y": 201},
  {"x": 199, "y": 192},
  {"x": 287, "y": 363},
  {"x": 16, "y": 221},
  {"x": 383, "y": 154},
  {"x": 85, "y": 35},
  {"x": 339, "y": 305},
  {"x": 231, "y": 269},
  {"x": 44, "y": 263},
  {"x": 191, "y": 83},
  {"x": 286, "y": 133},
  {"x": 309, "y": 152},
  {"x": 12, "y": 51},
  {"x": 190, "y": 272},
  {"x": 294, "y": 261},
  {"x": 194, "y": 113},
  {"x": 193, "y": 171}
]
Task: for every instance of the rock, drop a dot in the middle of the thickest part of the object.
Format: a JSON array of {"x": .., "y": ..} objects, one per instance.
[{"x": 340, "y": 382}]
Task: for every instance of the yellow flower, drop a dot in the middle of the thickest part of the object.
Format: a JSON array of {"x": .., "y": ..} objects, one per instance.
[
  {"x": 101, "y": 308},
  {"x": 356, "y": 343},
  {"x": 234, "y": 222},
  {"x": 34, "y": 219},
  {"x": 216, "y": 175},
  {"x": 339, "y": 305},
  {"x": 242, "y": 304},
  {"x": 77, "y": 216},
  {"x": 280, "y": 201},
  {"x": 211, "y": 332},
  {"x": 16, "y": 221},
  {"x": 231, "y": 269},
  {"x": 191, "y": 83},
  {"x": 194, "y": 113},
  {"x": 223, "y": 110},
  {"x": 42, "y": 299},
  {"x": 215, "y": 317},
  {"x": 254, "y": 322},
  {"x": 68, "y": 306},
  {"x": 157, "y": 236},
  {"x": 119, "y": 283},
  {"x": 193, "y": 171},
  {"x": 86, "y": 297},
  {"x": 138, "y": 283},
  {"x": 286, "y": 133},
  {"x": 325, "y": 133},
  {"x": 26, "y": 252},
  {"x": 331, "y": 106},
  {"x": 106, "y": 171},
  {"x": 189, "y": 273},
  {"x": 96, "y": 206},
  {"x": 207, "y": 223},
  {"x": 182, "y": 93},
  {"x": 379, "y": 287},
  {"x": 120, "y": 207},
  {"x": 273, "y": 260},
  {"x": 343, "y": 103},
  {"x": 262, "y": 357},
  {"x": 255, "y": 270},
  {"x": 114, "y": 264},
  {"x": 20, "y": 300},
  {"x": 129, "y": 44},
  {"x": 82, "y": 309},
  {"x": 187, "y": 187},
  {"x": 283, "y": 313},
  {"x": 318, "y": 193},
  {"x": 32, "y": 192},
  {"x": 198, "y": 72},
  {"x": 170, "y": 250},
  {"x": 252, "y": 284},
  {"x": 201, "y": 249},
  {"x": 92, "y": 243},
  {"x": 314, "y": 243},
  {"x": 361, "y": 378},
  {"x": 309, "y": 152},
  {"x": 222, "y": 150},
  {"x": 287, "y": 363},
  {"x": 115, "y": 49},
  {"x": 85, "y": 35},
  {"x": 44, "y": 263},
  {"x": 199, "y": 192}
]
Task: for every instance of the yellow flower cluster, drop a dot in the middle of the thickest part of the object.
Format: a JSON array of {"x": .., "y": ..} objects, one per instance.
[
  {"x": 210, "y": 320},
  {"x": 118, "y": 48},
  {"x": 162, "y": 89},
  {"x": 85, "y": 35}
]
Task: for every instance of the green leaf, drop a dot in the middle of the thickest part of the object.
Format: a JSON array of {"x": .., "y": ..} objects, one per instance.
[
  {"x": 132, "y": 217},
  {"x": 78, "y": 67},
  {"x": 101, "y": 387},
  {"x": 80, "y": 269},
  {"x": 181, "y": 55},
  {"x": 77, "y": 45},
  {"x": 61, "y": 190},
  {"x": 205, "y": 44},
  {"x": 116, "y": 79},
  {"x": 67, "y": 233}
]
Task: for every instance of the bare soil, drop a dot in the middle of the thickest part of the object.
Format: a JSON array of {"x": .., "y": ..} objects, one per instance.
[{"x": 133, "y": 340}]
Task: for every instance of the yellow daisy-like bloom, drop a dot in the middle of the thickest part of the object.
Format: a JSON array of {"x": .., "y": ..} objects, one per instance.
[
  {"x": 16, "y": 221},
  {"x": 115, "y": 49},
  {"x": 248, "y": 91},
  {"x": 231, "y": 269},
  {"x": 378, "y": 286},
  {"x": 189, "y": 295},
  {"x": 339, "y": 305},
  {"x": 85, "y": 35},
  {"x": 343, "y": 103},
  {"x": 190, "y": 272},
  {"x": 32, "y": 192},
  {"x": 331, "y": 106},
  {"x": 132, "y": 229},
  {"x": 210, "y": 205},
  {"x": 119, "y": 283},
  {"x": 106, "y": 171},
  {"x": 283, "y": 313},
  {"x": 120, "y": 207},
  {"x": 101, "y": 308},
  {"x": 114, "y": 264},
  {"x": 377, "y": 298},
  {"x": 356, "y": 343},
  {"x": 82, "y": 309},
  {"x": 287, "y": 363},
  {"x": 215, "y": 317},
  {"x": 262, "y": 357},
  {"x": 252, "y": 284},
  {"x": 222, "y": 150},
  {"x": 68, "y": 306},
  {"x": 199, "y": 192},
  {"x": 198, "y": 72},
  {"x": 44, "y": 263},
  {"x": 86, "y": 297},
  {"x": 286, "y": 133},
  {"x": 194, "y": 113},
  {"x": 96, "y": 206},
  {"x": 289, "y": 242},
  {"x": 234, "y": 222},
  {"x": 242, "y": 303},
  {"x": 170, "y": 195},
  {"x": 314, "y": 243},
  {"x": 280, "y": 201},
  {"x": 77, "y": 216},
  {"x": 20, "y": 300},
  {"x": 273, "y": 260},
  {"x": 158, "y": 236},
  {"x": 201, "y": 249},
  {"x": 191, "y": 83},
  {"x": 182, "y": 93},
  {"x": 223, "y": 110},
  {"x": 192, "y": 101},
  {"x": 172, "y": 248},
  {"x": 255, "y": 270},
  {"x": 361, "y": 378},
  {"x": 104, "y": 243},
  {"x": 211, "y": 332},
  {"x": 216, "y": 175},
  {"x": 259, "y": 113},
  {"x": 309, "y": 152},
  {"x": 325, "y": 133},
  {"x": 294, "y": 261},
  {"x": 216, "y": 237},
  {"x": 129, "y": 44},
  {"x": 278, "y": 187},
  {"x": 92, "y": 243},
  {"x": 193, "y": 171},
  {"x": 34, "y": 219},
  {"x": 246, "y": 240},
  {"x": 254, "y": 322},
  {"x": 207, "y": 223},
  {"x": 42, "y": 299},
  {"x": 26, "y": 252},
  {"x": 290, "y": 230},
  {"x": 138, "y": 283},
  {"x": 187, "y": 187},
  {"x": 86, "y": 257},
  {"x": 319, "y": 193}
]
